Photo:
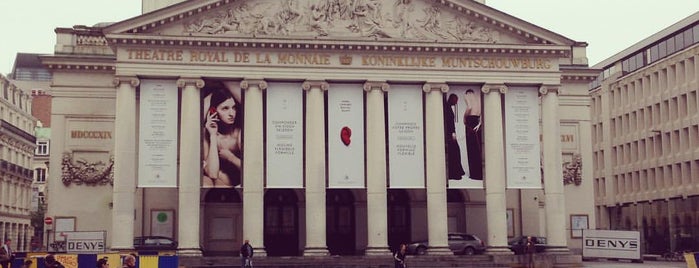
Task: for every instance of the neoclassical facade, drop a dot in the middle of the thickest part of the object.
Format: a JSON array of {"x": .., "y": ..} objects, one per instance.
[
  {"x": 16, "y": 151},
  {"x": 337, "y": 142}
]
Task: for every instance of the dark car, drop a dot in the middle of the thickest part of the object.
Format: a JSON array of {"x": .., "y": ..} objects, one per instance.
[
  {"x": 519, "y": 244},
  {"x": 467, "y": 244},
  {"x": 154, "y": 243}
]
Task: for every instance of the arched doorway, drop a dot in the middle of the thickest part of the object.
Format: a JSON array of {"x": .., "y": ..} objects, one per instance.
[
  {"x": 340, "y": 222},
  {"x": 223, "y": 222},
  {"x": 281, "y": 223},
  {"x": 398, "y": 218}
]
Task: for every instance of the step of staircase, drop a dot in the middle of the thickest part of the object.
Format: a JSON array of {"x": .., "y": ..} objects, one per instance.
[{"x": 481, "y": 261}]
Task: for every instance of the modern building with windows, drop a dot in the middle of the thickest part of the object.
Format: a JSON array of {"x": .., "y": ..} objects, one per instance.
[
  {"x": 320, "y": 127},
  {"x": 17, "y": 143},
  {"x": 645, "y": 135}
]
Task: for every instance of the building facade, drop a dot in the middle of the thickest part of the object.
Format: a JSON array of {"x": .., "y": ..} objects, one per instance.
[
  {"x": 17, "y": 144},
  {"x": 318, "y": 127},
  {"x": 644, "y": 129}
]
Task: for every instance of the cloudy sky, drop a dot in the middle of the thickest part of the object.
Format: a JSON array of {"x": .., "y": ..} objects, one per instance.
[{"x": 608, "y": 26}]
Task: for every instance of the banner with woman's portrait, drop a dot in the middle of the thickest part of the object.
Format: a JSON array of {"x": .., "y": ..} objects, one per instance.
[
  {"x": 463, "y": 136},
  {"x": 222, "y": 134}
]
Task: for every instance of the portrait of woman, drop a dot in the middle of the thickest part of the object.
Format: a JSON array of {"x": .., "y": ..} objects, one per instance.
[{"x": 222, "y": 146}]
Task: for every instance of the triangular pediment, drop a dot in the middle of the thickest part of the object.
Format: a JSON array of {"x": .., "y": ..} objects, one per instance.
[{"x": 442, "y": 21}]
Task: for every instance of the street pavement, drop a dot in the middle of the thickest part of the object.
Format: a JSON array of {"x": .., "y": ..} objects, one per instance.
[{"x": 628, "y": 264}]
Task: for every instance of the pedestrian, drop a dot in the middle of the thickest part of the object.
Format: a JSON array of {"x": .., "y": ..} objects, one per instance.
[
  {"x": 530, "y": 248},
  {"x": 399, "y": 257},
  {"x": 6, "y": 255},
  {"x": 51, "y": 262},
  {"x": 27, "y": 263},
  {"x": 102, "y": 263},
  {"x": 246, "y": 254},
  {"x": 129, "y": 261}
]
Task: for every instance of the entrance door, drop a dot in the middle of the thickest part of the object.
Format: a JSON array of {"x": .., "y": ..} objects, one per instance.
[
  {"x": 222, "y": 222},
  {"x": 398, "y": 218},
  {"x": 340, "y": 222},
  {"x": 281, "y": 223}
]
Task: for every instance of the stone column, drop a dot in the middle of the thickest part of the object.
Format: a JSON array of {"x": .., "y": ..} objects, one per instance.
[
  {"x": 494, "y": 150},
  {"x": 189, "y": 167},
  {"x": 315, "y": 169},
  {"x": 253, "y": 165},
  {"x": 435, "y": 158},
  {"x": 125, "y": 168},
  {"x": 377, "y": 204},
  {"x": 553, "y": 170}
]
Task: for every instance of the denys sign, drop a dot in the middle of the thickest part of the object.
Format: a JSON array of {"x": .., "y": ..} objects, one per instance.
[
  {"x": 611, "y": 244},
  {"x": 85, "y": 242}
]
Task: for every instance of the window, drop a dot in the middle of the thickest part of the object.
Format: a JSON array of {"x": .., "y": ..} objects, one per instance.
[
  {"x": 40, "y": 174},
  {"x": 42, "y": 148}
]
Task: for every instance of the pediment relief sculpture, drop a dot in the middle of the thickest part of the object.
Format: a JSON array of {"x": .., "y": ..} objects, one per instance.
[{"x": 395, "y": 19}]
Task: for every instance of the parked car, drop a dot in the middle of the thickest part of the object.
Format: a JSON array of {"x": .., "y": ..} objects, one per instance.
[
  {"x": 154, "y": 243},
  {"x": 519, "y": 244},
  {"x": 459, "y": 243}
]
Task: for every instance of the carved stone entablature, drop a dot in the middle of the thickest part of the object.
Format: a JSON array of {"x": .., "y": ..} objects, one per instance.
[
  {"x": 397, "y": 19},
  {"x": 83, "y": 172},
  {"x": 572, "y": 171}
]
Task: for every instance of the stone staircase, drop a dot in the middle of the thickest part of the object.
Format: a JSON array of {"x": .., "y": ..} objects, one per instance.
[{"x": 482, "y": 261}]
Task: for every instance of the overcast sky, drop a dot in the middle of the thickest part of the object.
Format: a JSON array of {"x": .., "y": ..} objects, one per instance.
[{"x": 608, "y": 26}]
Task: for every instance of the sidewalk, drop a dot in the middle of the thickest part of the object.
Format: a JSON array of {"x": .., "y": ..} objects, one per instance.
[{"x": 628, "y": 264}]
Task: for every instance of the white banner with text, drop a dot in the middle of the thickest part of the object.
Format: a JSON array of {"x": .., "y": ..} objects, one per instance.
[
  {"x": 406, "y": 158},
  {"x": 284, "y": 135},
  {"x": 157, "y": 145},
  {"x": 345, "y": 136}
]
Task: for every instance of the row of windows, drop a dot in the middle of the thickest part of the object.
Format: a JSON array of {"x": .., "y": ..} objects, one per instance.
[
  {"x": 680, "y": 73},
  {"x": 652, "y": 117},
  {"x": 659, "y": 50},
  {"x": 658, "y": 178},
  {"x": 662, "y": 49},
  {"x": 650, "y": 179},
  {"x": 660, "y": 144}
]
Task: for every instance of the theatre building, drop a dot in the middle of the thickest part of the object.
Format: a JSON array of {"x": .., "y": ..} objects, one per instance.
[{"x": 341, "y": 127}]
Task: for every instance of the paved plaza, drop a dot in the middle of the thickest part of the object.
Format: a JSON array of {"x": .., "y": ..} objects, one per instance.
[{"x": 627, "y": 264}]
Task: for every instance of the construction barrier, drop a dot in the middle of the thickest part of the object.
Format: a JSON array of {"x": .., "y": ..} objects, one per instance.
[
  {"x": 691, "y": 259},
  {"x": 90, "y": 260}
]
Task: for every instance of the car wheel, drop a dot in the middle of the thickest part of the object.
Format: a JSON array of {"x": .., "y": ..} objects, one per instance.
[
  {"x": 469, "y": 251},
  {"x": 421, "y": 251}
]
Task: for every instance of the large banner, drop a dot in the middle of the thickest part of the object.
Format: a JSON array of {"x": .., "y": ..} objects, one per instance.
[
  {"x": 284, "y": 135},
  {"x": 157, "y": 144},
  {"x": 522, "y": 146},
  {"x": 406, "y": 158},
  {"x": 346, "y": 136},
  {"x": 463, "y": 134},
  {"x": 222, "y": 136}
]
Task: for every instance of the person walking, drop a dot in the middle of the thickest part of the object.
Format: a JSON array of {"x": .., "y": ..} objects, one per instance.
[
  {"x": 399, "y": 257},
  {"x": 129, "y": 261},
  {"x": 6, "y": 254},
  {"x": 246, "y": 254},
  {"x": 530, "y": 248}
]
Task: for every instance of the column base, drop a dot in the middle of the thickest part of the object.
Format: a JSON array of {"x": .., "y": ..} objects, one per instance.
[
  {"x": 377, "y": 251},
  {"x": 498, "y": 251},
  {"x": 259, "y": 252},
  {"x": 439, "y": 251},
  {"x": 316, "y": 252},
  {"x": 189, "y": 252}
]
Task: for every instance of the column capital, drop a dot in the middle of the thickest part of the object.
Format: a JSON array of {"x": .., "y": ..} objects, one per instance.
[
  {"x": 184, "y": 81},
  {"x": 134, "y": 81},
  {"x": 486, "y": 88},
  {"x": 261, "y": 83},
  {"x": 545, "y": 89},
  {"x": 308, "y": 84},
  {"x": 371, "y": 85},
  {"x": 427, "y": 87}
]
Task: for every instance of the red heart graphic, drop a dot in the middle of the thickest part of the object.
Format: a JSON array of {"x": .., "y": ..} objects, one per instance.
[{"x": 345, "y": 134}]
